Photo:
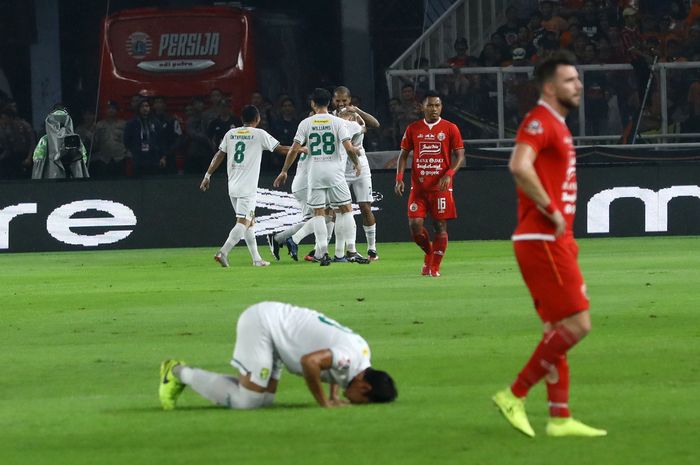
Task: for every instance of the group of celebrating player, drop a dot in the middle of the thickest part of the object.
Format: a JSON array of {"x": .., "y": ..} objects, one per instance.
[
  {"x": 331, "y": 161},
  {"x": 269, "y": 334}
]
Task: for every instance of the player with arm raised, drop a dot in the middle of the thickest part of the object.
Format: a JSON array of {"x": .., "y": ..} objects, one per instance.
[
  {"x": 543, "y": 164},
  {"x": 242, "y": 149},
  {"x": 323, "y": 134},
  {"x": 438, "y": 152},
  {"x": 360, "y": 185},
  {"x": 273, "y": 335}
]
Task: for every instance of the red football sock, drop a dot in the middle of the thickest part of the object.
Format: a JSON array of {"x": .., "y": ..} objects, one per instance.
[
  {"x": 439, "y": 248},
  {"x": 423, "y": 241},
  {"x": 558, "y": 389},
  {"x": 553, "y": 345}
]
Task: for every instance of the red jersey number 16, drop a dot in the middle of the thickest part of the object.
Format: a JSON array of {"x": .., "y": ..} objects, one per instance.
[{"x": 441, "y": 204}]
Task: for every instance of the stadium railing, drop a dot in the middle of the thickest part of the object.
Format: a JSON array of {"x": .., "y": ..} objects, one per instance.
[
  {"x": 474, "y": 20},
  {"x": 670, "y": 82}
]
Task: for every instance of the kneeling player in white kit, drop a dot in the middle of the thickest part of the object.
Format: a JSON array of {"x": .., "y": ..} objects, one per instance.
[
  {"x": 270, "y": 335},
  {"x": 242, "y": 148}
]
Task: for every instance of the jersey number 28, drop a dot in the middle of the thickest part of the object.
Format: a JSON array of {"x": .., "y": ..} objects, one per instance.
[{"x": 322, "y": 143}]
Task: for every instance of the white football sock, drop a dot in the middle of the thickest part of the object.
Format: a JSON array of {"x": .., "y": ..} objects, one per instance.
[
  {"x": 330, "y": 226},
  {"x": 252, "y": 243},
  {"x": 340, "y": 234},
  {"x": 281, "y": 237},
  {"x": 321, "y": 233},
  {"x": 234, "y": 237},
  {"x": 371, "y": 235},
  {"x": 350, "y": 232},
  {"x": 305, "y": 230},
  {"x": 220, "y": 389}
]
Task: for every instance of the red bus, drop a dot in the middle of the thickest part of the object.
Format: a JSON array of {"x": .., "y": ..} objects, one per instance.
[{"x": 177, "y": 54}]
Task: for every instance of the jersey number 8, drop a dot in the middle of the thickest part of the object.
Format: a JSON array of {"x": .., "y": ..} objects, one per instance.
[{"x": 239, "y": 152}]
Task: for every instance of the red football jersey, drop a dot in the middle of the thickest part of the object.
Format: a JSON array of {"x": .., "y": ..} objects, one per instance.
[
  {"x": 432, "y": 146},
  {"x": 546, "y": 132}
]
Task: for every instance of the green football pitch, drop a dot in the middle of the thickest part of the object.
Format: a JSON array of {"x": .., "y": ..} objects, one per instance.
[{"x": 82, "y": 335}]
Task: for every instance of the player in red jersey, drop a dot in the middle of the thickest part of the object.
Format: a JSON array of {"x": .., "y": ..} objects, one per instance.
[
  {"x": 438, "y": 152},
  {"x": 543, "y": 164}
]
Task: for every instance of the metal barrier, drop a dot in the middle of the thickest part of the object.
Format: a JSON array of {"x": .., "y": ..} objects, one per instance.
[{"x": 476, "y": 91}]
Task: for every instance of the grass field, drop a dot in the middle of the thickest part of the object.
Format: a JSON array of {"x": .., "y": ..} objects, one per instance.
[{"x": 82, "y": 335}]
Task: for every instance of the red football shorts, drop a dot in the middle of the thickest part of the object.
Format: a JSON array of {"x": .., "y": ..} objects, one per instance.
[
  {"x": 552, "y": 275},
  {"x": 439, "y": 204}
]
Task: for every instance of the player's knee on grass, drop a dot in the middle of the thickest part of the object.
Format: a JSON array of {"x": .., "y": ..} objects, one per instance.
[
  {"x": 268, "y": 399},
  {"x": 245, "y": 399}
]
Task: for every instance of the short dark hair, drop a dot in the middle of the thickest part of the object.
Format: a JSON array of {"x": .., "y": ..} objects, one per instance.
[
  {"x": 342, "y": 90},
  {"x": 249, "y": 113},
  {"x": 431, "y": 94},
  {"x": 383, "y": 387},
  {"x": 321, "y": 97},
  {"x": 547, "y": 68}
]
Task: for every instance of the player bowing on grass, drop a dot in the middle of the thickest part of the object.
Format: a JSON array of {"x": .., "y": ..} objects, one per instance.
[
  {"x": 438, "y": 152},
  {"x": 270, "y": 336},
  {"x": 543, "y": 164},
  {"x": 242, "y": 149}
]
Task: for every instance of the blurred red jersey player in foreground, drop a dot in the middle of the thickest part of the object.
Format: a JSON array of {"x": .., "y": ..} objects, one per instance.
[{"x": 543, "y": 164}]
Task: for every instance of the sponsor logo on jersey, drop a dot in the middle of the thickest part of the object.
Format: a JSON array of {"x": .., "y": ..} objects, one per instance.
[
  {"x": 430, "y": 136},
  {"x": 413, "y": 207},
  {"x": 534, "y": 128},
  {"x": 427, "y": 148},
  {"x": 441, "y": 136},
  {"x": 243, "y": 131}
]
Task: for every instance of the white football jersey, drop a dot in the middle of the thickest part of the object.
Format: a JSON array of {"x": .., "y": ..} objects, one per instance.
[
  {"x": 301, "y": 178},
  {"x": 244, "y": 147},
  {"x": 297, "y": 331},
  {"x": 323, "y": 135},
  {"x": 358, "y": 137}
]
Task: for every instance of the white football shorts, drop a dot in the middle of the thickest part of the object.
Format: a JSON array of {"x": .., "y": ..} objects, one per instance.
[
  {"x": 302, "y": 196},
  {"x": 362, "y": 188},
  {"x": 254, "y": 352},
  {"x": 244, "y": 206},
  {"x": 334, "y": 196}
]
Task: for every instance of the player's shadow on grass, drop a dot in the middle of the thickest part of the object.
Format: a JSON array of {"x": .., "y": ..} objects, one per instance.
[{"x": 156, "y": 409}]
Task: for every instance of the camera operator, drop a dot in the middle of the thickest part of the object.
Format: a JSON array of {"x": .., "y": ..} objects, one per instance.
[{"x": 60, "y": 153}]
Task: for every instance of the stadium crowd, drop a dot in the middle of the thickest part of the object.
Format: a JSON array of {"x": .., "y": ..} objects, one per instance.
[
  {"x": 597, "y": 32},
  {"x": 147, "y": 138}
]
